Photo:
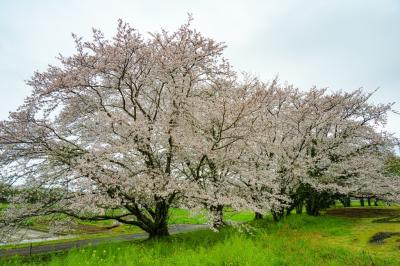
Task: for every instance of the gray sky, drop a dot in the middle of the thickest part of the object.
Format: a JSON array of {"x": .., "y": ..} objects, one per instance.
[{"x": 343, "y": 44}]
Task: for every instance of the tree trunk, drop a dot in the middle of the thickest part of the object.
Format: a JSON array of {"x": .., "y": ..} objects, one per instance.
[
  {"x": 313, "y": 204},
  {"x": 153, "y": 221},
  {"x": 346, "y": 201},
  {"x": 369, "y": 201},
  {"x": 299, "y": 207},
  {"x": 289, "y": 210},
  {"x": 277, "y": 215},
  {"x": 159, "y": 230},
  {"x": 217, "y": 216},
  {"x": 312, "y": 207},
  {"x": 362, "y": 202},
  {"x": 258, "y": 216},
  {"x": 376, "y": 202}
]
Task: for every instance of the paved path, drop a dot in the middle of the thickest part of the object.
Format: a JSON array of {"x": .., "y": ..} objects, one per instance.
[{"x": 47, "y": 248}]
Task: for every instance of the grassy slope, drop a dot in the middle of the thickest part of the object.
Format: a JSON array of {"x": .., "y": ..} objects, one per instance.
[
  {"x": 177, "y": 216},
  {"x": 299, "y": 240},
  {"x": 97, "y": 229}
]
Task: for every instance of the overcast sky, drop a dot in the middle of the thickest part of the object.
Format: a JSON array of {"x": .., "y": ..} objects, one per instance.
[{"x": 337, "y": 44}]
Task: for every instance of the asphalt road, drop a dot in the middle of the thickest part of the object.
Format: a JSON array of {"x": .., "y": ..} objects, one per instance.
[{"x": 42, "y": 249}]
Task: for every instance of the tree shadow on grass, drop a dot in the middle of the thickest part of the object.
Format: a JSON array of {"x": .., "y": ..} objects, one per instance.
[{"x": 379, "y": 238}]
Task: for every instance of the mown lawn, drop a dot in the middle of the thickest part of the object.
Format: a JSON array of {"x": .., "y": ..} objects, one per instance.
[{"x": 298, "y": 240}]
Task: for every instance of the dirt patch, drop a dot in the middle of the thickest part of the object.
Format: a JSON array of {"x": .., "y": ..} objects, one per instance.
[
  {"x": 379, "y": 238},
  {"x": 365, "y": 213}
]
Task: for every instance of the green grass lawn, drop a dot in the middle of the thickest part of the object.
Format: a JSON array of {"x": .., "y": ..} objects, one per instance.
[
  {"x": 357, "y": 203},
  {"x": 182, "y": 216},
  {"x": 176, "y": 216},
  {"x": 298, "y": 240},
  {"x": 101, "y": 229}
]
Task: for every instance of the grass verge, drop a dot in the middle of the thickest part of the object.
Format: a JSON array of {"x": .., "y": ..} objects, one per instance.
[{"x": 298, "y": 240}]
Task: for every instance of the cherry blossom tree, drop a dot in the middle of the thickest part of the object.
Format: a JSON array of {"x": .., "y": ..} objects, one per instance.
[
  {"x": 104, "y": 130},
  {"x": 348, "y": 150},
  {"x": 221, "y": 165},
  {"x": 318, "y": 146},
  {"x": 338, "y": 145},
  {"x": 126, "y": 128}
]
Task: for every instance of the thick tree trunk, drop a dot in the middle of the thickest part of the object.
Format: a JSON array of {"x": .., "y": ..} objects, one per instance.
[
  {"x": 362, "y": 202},
  {"x": 299, "y": 207},
  {"x": 160, "y": 225},
  {"x": 277, "y": 215},
  {"x": 153, "y": 221},
  {"x": 346, "y": 201},
  {"x": 315, "y": 200},
  {"x": 369, "y": 201},
  {"x": 312, "y": 208},
  {"x": 217, "y": 215},
  {"x": 258, "y": 216},
  {"x": 159, "y": 230},
  {"x": 376, "y": 202},
  {"x": 313, "y": 204}
]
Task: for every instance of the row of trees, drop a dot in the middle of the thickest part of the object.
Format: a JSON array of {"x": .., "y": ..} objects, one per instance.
[{"x": 140, "y": 125}]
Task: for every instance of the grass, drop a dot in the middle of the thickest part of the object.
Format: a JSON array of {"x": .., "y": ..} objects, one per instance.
[
  {"x": 298, "y": 240},
  {"x": 65, "y": 240},
  {"x": 357, "y": 203},
  {"x": 3, "y": 206},
  {"x": 182, "y": 216},
  {"x": 98, "y": 229},
  {"x": 176, "y": 216}
]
